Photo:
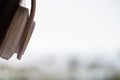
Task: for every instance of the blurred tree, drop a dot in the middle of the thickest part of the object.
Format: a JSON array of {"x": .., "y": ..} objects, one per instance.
[{"x": 73, "y": 67}]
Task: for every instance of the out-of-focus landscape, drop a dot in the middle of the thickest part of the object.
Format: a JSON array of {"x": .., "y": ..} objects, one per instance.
[
  {"x": 72, "y": 40},
  {"x": 67, "y": 67}
]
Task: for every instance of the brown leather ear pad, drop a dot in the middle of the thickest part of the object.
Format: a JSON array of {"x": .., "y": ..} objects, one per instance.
[
  {"x": 14, "y": 33},
  {"x": 24, "y": 40}
]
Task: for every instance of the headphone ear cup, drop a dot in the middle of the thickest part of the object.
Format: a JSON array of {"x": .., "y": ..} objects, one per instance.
[
  {"x": 25, "y": 39},
  {"x": 14, "y": 34}
]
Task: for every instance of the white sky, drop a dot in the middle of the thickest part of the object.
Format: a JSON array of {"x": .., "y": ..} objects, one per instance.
[
  {"x": 74, "y": 25},
  {"x": 77, "y": 23}
]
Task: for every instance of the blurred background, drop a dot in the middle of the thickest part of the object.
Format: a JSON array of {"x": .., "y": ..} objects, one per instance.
[{"x": 72, "y": 40}]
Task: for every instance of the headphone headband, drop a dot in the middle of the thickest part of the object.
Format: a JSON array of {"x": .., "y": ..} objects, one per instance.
[{"x": 32, "y": 12}]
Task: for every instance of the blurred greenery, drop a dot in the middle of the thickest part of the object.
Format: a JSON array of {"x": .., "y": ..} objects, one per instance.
[
  {"x": 115, "y": 77},
  {"x": 33, "y": 73}
]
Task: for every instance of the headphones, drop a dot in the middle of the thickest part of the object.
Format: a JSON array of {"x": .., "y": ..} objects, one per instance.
[{"x": 19, "y": 32}]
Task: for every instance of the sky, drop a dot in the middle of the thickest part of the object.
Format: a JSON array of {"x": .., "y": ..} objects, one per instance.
[
  {"x": 63, "y": 27},
  {"x": 75, "y": 24}
]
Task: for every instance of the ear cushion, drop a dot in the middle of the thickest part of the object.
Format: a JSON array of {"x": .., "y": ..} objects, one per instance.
[
  {"x": 14, "y": 33},
  {"x": 25, "y": 39}
]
